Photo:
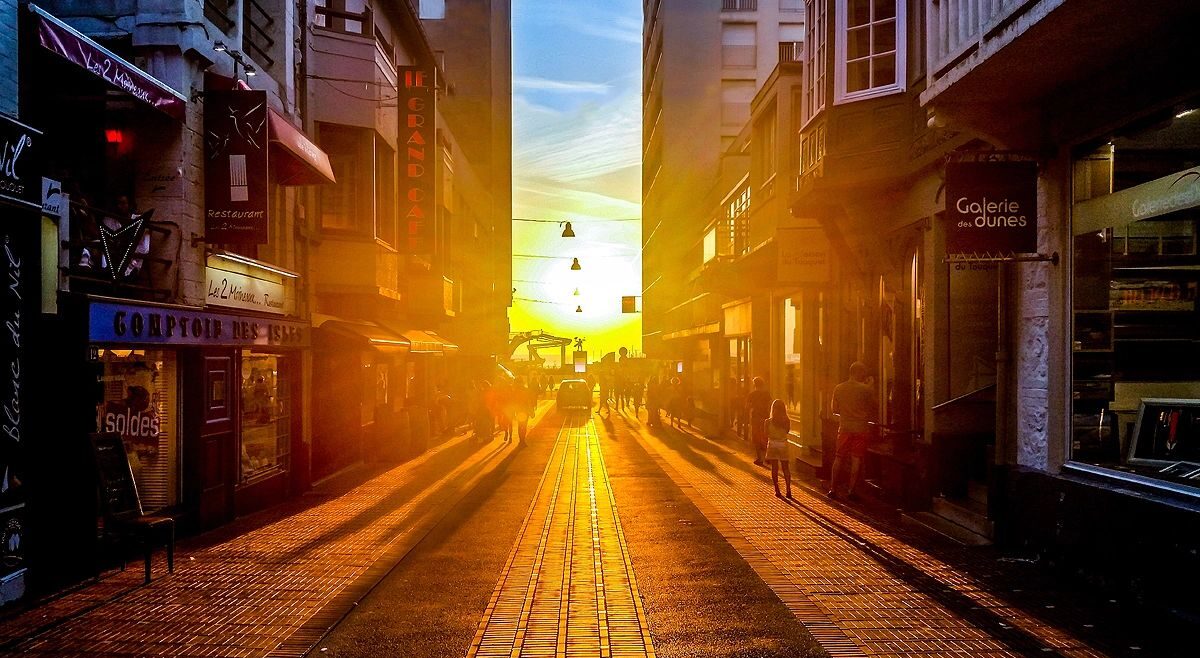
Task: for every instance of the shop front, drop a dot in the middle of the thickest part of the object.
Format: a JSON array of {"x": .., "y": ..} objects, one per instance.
[{"x": 204, "y": 402}]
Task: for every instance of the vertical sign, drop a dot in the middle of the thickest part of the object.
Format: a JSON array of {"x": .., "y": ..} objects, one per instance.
[
  {"x": 235, "y": 166},
  {"x": 418, "y": 131},
  {"x": 991, "y": 208},
  {"x": 20, "y": 176}
]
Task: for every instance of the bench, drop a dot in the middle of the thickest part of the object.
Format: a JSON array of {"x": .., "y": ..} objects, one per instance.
[{"x": 121, "y": 507}]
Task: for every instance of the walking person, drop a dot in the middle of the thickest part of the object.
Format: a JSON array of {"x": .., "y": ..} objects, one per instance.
[
  {"x": 855, "y": 410},
  {"x": 653, "y": 401},
  {"x": 778, "y": 426},
  {"x": 758, "y": 409}
]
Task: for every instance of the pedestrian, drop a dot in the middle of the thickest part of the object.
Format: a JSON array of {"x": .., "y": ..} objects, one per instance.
[
  {"x": 635, "y": 394},
  {"x": 854, "y": 408},
  {"x": 526, "y": 401},
  {"x": 758, "y": 408},
  {"x": 675, "y": 401},
  {"x": 653, "y": 401},
  {"x": 482, "y": 416},
  {"x": 605, "y": 393},
  {"x": 778, "y": 426}
]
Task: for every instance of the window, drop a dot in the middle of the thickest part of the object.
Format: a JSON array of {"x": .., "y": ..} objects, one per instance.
[
  {"x": 432, "y": 9},
  {"x": 870, "y": 49},
  {"x": 764, "y": 144},
  {"x": 347, "y": 204},
  {"x": 791, "y": 5},
  {"x": 735, "y": 101},
  {"x": 814, "y": 70},
  {"x": 1135, "y": 287},
  {"x": 266, "y": 415},
  {"x": 738, "y": 44},
  {"x": 141, "y": 405},
  {"x": 385, "y": 192}
]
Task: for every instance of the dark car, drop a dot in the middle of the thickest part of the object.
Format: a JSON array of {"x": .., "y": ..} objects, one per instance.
[{"x": 574, "y": 394}]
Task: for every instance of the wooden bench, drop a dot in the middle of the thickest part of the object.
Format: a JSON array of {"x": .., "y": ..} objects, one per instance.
[{"x": 121, "y": 507}]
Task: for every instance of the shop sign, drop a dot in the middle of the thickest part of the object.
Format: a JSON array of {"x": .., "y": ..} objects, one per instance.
[
  {"x": 991, "y": 208},
  {"x": 116, "y": 323},
  {"x": 418, "y": 130},
  {"x": 53, "y": 199},
  {"x": 236, "y": 192},
  {"x": 803, "y": 255},
  {"x": 1162, "y": 196},
  {"x": 20, "y": 175},
  {"x": 238, "y": 290},
  {"x": 64, "y": 40}
]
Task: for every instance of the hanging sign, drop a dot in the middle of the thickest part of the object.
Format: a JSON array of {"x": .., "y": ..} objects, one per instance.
[
  {"x": 991, "y": 208},
  {"x": 418, "y": 133},
  {"x": 802, "y": 255},
  {"x": 20, "y": 176},
  {"x": 235, "y": 167}
]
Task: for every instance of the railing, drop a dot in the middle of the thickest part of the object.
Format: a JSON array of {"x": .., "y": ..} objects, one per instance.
[
  {"x": 791, "y": 52},
  {"x": 958, "y": 26},
  {"x": 256, "y": 32},
  {"x": 346, "y": 22},
  {"x": 739, "y": 5},
  {"x": 217, "y": 11}
]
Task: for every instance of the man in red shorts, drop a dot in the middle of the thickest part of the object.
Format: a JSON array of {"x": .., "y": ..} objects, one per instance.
[{"x": 854, "y": 407}]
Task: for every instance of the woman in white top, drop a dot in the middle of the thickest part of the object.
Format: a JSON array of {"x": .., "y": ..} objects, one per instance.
[{"x": 778, "y": 426}]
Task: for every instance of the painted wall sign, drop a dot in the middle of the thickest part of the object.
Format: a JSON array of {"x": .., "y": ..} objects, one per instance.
[
  {"x": 20, "y": 173},
  {"x": 1161, "y": 196},
  {"x": 236, "y": 194},
  {"x": 64, "y": 40},
  {"x": 418, "y": 132},
  {"x": 991, "y": 208},
  {"x": 116, "y": 323},
  {"x": 803, "y": 255},
  {"x": 239, "y": 290}
]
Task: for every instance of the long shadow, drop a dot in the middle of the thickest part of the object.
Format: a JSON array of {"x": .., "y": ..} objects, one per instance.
[
  {"x": 962, "y": 605},
  {"x": 682, "y": 448}
]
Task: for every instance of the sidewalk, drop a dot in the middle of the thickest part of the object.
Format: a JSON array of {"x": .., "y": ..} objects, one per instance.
[
  {"x": 264, "y": 585},
  {"x": 866, "y": 586}
]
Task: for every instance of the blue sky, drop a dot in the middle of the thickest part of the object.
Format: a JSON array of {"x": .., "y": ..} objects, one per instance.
[{"x": 577, "y": 156}]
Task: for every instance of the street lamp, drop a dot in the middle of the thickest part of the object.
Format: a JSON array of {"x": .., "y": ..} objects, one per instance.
[
  {"x": 579, "y": 309},
  {"x": 568, "y": 232},
  {"x": 575, "y": 264}
]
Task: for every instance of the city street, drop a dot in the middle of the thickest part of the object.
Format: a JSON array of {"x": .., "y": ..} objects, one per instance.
[{"x": 598, "y": 538}]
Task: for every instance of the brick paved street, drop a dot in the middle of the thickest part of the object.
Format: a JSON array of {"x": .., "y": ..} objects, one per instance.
[
  {"x": 569, "y": 586},
  {"x": 864, "y": 587}
]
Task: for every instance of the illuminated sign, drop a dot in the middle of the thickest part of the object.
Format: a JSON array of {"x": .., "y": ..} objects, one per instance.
[
  {"x": 417, "y": 136},
  {"x": 136, "y": 324},
  {"x": 235, "y": 166}
]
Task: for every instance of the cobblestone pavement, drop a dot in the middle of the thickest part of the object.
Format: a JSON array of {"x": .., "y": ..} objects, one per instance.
[
  {"x": 568, "y": 588},
  {"x": 861, "y": 588},
  {"x": 272, "y": 590}
]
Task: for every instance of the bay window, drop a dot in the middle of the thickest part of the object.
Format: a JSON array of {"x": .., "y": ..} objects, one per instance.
[{"x": 870, "y": 49}]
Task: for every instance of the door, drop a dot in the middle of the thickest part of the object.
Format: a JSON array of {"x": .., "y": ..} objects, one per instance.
[{"x": 213, "y": 407}]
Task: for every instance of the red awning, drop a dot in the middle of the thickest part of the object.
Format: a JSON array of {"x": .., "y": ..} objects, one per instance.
[
  {"x": 301, "y": 162},
  {"x": 67, "y": 42}
]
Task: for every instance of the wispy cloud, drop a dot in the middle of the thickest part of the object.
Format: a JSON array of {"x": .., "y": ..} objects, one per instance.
[{"x": 566, "y": 86}]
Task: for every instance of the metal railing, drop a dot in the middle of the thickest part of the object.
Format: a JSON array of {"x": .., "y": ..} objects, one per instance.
[
  {"x": 739, "y": 5},
  {"x": 346, "y": 22},
  {"x": 256, "y": 32},
  {"x": 791, "y": 52}
]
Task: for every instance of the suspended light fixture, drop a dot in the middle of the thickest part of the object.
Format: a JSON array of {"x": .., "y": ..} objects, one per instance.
[
  {"x": 579, "y": 309},
  {"x": 575, "y": 264},
  {"x": 576, "y": 293},
  {"x": 251, "y": 71},
  {"x": 568, "y": 232}
]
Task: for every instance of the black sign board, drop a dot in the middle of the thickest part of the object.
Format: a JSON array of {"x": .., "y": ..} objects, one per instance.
[
  {"x": 118, "y": 490},
  {"x": 20, "y": 173},
  {"x": 991, "y": 208},
  {"x": 418, "y": 130},
  {"x": 235, "y": 166}
]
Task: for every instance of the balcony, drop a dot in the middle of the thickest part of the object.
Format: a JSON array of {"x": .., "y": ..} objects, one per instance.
[
  {"x": 348, "y": 45},
  {"x": 958, "y": 26},
  {"x": 431, "y": 295},
  {"x": 739, "y": 5},
  {"x": 257, "y": 28},
  {"x": 358, "y": 23},
  {"x": 791, "y": 52}
]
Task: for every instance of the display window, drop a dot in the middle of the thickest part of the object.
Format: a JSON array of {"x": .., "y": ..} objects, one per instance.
[
  {"x": 1135, "y": 325},
  {"x": 266, "y": 415},
  {"x": 140, "y": 403}
]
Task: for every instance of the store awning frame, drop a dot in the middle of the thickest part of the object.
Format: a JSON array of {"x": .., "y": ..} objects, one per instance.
[
  {"x": 367, "y": 336},
  {"x": 72, "y": 45},
  {"x": 428, "y": 342},
  {"x": 303, "y": 162}
]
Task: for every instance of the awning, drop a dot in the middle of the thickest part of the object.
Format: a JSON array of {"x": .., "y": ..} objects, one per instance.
[
  {"x": 365, "y": 335},
  {"x": 301, "y": 162},
  {"x": 67, "y": 42},
  {"x": 427, "y": 342},
  {"x": 711, "y": 328}
]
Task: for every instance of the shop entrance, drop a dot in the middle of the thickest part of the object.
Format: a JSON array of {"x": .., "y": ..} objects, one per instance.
[{"x": 213, "y": 461}]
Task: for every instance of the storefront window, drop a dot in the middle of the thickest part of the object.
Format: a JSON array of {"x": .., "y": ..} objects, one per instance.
[
  {"x": 266, "y": 414},
  {"x": 1136, "y": 331},
  {"x": 140, "y": 404}
]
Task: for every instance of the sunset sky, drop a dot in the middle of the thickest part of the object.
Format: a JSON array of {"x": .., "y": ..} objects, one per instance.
[{"x": 577, "y": 156}]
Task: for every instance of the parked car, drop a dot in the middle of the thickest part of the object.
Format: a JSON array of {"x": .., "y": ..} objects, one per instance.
[{"x": 574, "y": 394}]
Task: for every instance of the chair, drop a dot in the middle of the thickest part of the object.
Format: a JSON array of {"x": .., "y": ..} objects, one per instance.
[{"x": 121, "y": 506}]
